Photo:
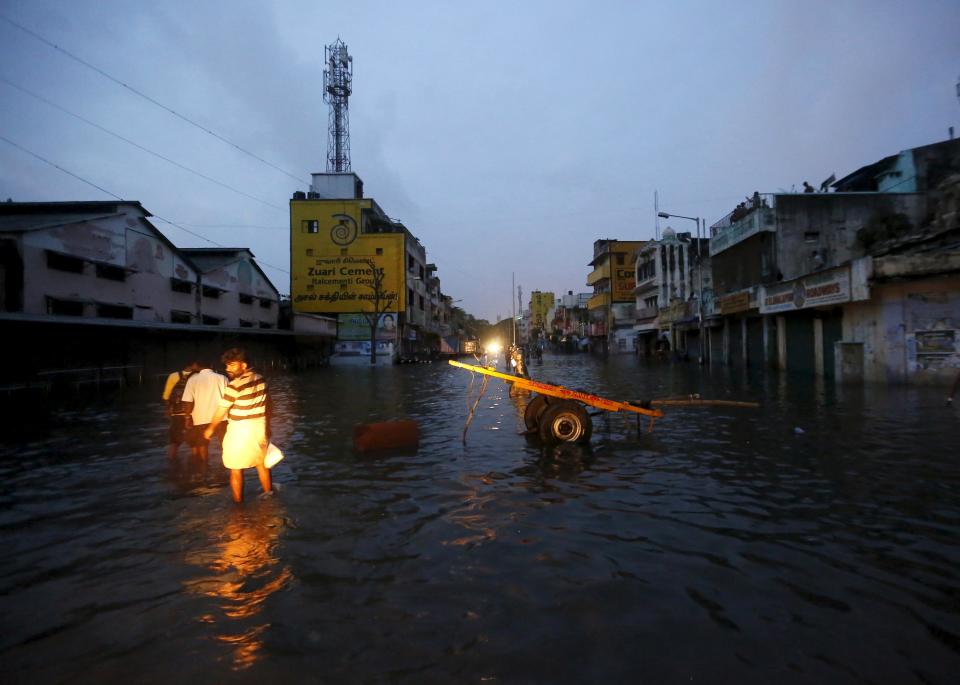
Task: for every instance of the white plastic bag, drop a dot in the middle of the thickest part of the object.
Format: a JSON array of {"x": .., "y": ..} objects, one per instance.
[{"x": 273, "y": 456}]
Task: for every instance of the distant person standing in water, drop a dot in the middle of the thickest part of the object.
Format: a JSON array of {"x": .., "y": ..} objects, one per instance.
[
  {"x": 245, "y": 404},
  {"x": 201, "y": 398},
  {"x": 173, "y": 397}
]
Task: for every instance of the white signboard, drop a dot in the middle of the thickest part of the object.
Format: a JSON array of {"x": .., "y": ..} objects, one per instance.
[{"x": 816, "y": 290}]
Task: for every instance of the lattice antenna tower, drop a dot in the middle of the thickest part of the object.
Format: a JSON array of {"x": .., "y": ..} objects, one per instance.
[{"x": 337, "y": 87}]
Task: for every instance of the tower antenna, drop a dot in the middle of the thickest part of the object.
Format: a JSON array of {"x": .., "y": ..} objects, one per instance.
[{"x": 337, "y": 87}]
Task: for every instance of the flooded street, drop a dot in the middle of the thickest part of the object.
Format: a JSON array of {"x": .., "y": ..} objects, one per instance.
[{"x": 811, "y": 540}]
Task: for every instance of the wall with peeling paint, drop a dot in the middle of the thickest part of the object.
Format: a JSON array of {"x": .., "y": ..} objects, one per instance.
[
  {"x": 122, "y": 241},
  {"x": 910, "y": 331},
  {"x": 236, "y": 279}
]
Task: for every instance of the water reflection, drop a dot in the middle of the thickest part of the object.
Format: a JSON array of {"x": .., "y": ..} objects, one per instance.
[
  {"x": 244, "y": 570},
  {"x": 754, "y": 550}
]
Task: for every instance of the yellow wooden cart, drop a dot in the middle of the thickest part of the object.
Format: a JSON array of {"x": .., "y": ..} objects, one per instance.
[{"x": 557, "y": 414}]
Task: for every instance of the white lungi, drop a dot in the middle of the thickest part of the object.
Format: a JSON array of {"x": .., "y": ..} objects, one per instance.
[{"x": 245, "y": 444}]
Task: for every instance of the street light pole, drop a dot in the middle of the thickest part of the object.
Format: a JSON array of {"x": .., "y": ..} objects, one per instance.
[{"x": 665, "y": 215}]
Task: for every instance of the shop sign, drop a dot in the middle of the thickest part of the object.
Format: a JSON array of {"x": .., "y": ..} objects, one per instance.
[
  {"x": 817, "y": 290},
  {"x": 737, "y": 302},
  {"x": 673, "y": 313}
]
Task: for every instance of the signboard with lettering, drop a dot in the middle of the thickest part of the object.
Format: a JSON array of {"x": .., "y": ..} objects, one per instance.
[
  {"x": 816, "y": 290},
  {"x": 335, "y": 264},
  {"x": 624, "y": 282},
  {"x": 737, "y": 302}
]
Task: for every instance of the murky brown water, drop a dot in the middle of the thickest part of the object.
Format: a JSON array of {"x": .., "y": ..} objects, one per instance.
[{"x": 727, "y": 546}]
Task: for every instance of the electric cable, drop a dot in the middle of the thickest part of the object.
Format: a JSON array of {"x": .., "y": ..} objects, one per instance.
[
  {"x": 145, "y": 96},
  {"x": 137, "y": 145},
  {"x": 104, "y": 190}
]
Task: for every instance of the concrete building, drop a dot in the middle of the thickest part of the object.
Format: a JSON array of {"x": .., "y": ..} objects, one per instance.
[
  {"x": 541, "y": 310},
  {"x": 828, "y": 283},
  {"x": 234, "y": 291},
  {"x": 345, "y": 254},
  {"x": 611, "y": 308},
  {"x": 669, "y": 283}
]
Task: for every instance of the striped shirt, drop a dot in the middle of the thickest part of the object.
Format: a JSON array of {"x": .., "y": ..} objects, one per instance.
[{"x": 245, "y": 397}]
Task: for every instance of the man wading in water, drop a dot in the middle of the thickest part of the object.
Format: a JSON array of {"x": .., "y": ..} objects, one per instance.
[{"x": 245, "y": 404}]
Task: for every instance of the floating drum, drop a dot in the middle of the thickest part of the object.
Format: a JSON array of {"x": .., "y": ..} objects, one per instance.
[{"x": 402, "y": 434}]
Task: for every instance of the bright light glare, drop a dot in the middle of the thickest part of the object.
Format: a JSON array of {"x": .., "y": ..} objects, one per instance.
[{"x": 493, "y": 347}]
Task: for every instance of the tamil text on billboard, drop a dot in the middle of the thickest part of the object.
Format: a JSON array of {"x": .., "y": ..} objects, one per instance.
[{"x": 335, "y": 267}]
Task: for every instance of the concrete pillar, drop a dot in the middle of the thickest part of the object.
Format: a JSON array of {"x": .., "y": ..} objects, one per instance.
[
  {"x": 726, "y": 341},
  {"x": 818, "y": 346},
  {"x": 744, "y": 347},
  {"x": 768, "y": 338},
  {"x": 782, "y": 343}
]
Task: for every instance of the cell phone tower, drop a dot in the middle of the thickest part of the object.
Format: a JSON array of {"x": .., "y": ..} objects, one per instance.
[{"x": 337, "y": 87}]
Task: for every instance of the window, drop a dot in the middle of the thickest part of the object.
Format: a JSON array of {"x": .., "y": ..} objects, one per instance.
[
  {"x": 210, "y": 291},
  {"x": 620, "y": 257},
  {"x": 409, "y": 297},
  {"x": 310, "y": 226},
  {"x": 266, "y": 304},
  {"x": 379, "y": 251},
  {"x": 179, "y": 286},
  {"x": 420, "y": 298},
  {"x": 114, "y": 311},
  {"x": 421, "y": 273},
  {"x": 811, "y": 236},
  {"x": 246, "y": 324},
  {"x": 111, "y": 272},
  {"x": 246, "y": 299},
  {"x": 180, "y": 316},
  {"x": 410, "y": 263},
  {"x": 64, "y": 307},
  {"x": 62, "y": 262},
  {"x": 211, "y": 320}
]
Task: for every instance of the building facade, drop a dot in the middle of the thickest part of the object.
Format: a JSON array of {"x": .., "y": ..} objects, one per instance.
[
  {"x": 106, "y": 260},
  {"x": 611, "y": 307},
  {"x": 349, "y": 259},
  {"x": 855, "y": 284}
]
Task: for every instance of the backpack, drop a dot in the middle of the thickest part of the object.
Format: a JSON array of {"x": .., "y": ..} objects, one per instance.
[{"x": 175, "y": 403}]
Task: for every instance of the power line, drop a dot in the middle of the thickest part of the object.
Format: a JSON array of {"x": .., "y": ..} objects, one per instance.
[
  {"x": 70, "y": 173},
  {"x": 137, "y": 145},
  {"x": 104, "y": 190},
  {"x": 144, "y": 96}
]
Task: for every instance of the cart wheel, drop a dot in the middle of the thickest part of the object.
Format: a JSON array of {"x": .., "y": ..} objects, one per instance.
[
  {"x": 533, "y": 412},
  {"x": 565, "y": 421}
]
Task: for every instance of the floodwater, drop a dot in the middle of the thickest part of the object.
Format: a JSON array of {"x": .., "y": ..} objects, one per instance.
[{"x": 812, "y": 540}]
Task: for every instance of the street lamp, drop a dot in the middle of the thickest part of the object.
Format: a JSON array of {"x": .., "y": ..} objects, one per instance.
[{"x": 665, "y": 215}]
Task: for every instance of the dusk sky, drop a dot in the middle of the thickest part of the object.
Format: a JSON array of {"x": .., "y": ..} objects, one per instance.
[{"x": 507, "y": 136}]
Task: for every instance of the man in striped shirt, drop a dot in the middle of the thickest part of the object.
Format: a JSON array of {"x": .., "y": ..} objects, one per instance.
[{"x": 244, "y": 403}]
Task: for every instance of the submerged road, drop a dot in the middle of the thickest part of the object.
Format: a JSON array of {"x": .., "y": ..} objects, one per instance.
[{"x": 814, "y": 539}]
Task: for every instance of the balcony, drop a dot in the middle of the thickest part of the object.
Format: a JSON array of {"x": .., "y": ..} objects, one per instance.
[
  {"x": 646, "y": 284},
  {"x": 599, "y": 300},
  {"x": 599, "y": 274},
  {"x": 748, "y": 219},
  {"x": 645, "y": 313}
]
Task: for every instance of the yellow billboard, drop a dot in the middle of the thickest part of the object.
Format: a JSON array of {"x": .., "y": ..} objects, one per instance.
[
  {"x": 334, "y": 264},
  {"x": 624, "y": 283}
]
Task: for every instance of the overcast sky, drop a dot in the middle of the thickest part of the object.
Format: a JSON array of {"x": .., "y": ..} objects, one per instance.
[{"x": 507, "y": 136}]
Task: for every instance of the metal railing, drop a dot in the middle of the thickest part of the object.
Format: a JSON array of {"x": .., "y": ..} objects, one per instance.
[{"x": 750, "y": 206}]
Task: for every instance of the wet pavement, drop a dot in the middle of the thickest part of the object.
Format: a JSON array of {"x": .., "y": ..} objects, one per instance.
[{"x": 811, "y": 540}]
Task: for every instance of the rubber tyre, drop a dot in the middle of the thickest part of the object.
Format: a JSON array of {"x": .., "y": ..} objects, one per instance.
[
  {"x": 565, "y": 421},
  {"x": 533, "y": 412}
]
